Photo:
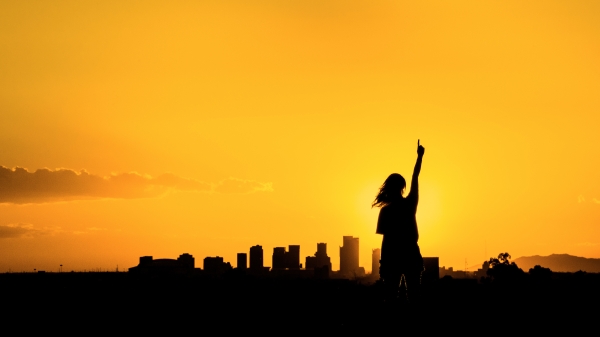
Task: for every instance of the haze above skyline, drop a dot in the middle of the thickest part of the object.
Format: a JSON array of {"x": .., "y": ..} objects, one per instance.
[{"x": 146, "y": 128}]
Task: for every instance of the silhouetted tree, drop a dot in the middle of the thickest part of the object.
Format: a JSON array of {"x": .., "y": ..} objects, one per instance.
[
  {"x": 540, "y": 274},
  {"x": 501, "y": 270},
  {"x": 503, "y": 259},
  {"x": 482, "y": 273}
]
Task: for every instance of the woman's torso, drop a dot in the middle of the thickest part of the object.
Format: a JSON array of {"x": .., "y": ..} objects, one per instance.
[{"x": 397, "y": 221}]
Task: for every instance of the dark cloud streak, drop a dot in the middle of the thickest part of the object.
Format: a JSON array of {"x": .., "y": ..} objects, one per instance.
[{"x": 19, "y": 186}]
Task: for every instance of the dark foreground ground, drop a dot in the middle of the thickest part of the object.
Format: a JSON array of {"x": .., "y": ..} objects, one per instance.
[{"x": 244, "y": 304}]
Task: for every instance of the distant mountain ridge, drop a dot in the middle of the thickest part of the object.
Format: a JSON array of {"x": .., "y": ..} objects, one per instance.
[{"x": 559, "y": 263}]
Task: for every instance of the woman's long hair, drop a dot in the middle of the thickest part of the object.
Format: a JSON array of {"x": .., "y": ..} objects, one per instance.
[{"x": 391, "y": 190}]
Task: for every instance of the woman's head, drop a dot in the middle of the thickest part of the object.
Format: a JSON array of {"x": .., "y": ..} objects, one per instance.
[{"x": 392, "y": 189}]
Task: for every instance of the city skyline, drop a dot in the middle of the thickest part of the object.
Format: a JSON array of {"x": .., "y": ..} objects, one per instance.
[{"x": 282, "y": 259}]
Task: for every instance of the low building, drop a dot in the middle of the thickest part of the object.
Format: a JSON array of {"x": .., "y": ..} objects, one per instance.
[
  {"x": 216, "y": 265},
  {"x": 185, "y": 263},
  {"x": 431, "y": 274}
]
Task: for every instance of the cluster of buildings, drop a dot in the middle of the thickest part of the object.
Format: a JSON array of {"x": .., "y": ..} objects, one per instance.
[
  {"x": 466, "y": 274},
  {"x": 285, "y": 262}
]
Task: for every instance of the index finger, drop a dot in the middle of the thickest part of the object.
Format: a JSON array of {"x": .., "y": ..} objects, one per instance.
[{"x": 418, "y": 142}]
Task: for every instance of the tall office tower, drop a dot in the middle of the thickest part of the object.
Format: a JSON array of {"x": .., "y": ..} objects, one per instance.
[
  {"x": 321, "y": 256},
  {"x": 349, "y": 256},
  {"x": 256, "y": 257},
  {"x": 283, "y": 259},
  {"x": 242, "y": 261},
  {"x": 279, "y": 258},
  {"x": 375, "y": 262},
  {"x": 293, "y": 257},
  {"x": 321, "y": 249},
  {"x": 320, "y": 259}
]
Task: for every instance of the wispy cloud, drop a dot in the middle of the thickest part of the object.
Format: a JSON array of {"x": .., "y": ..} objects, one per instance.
[
  {"x": 19, "y": 186},
  {"x": 235, "y": 185},
  {"x": 596, "y": 201},
  {"x": 95, "y": 229},
  {"x": 23, "y": 230},
  {"x": 580, "y": 198}
]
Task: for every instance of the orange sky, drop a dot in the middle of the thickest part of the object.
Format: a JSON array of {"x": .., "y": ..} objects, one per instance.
[{"x": 210, "y": 126}]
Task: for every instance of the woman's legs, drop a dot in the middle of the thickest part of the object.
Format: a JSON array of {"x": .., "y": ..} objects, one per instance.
[
  {"x": 413, "y": 286},
  {"x": 391, "y": 285},
  {"x": 400, "y": 260},
  {"x": 390, "y": 275}
]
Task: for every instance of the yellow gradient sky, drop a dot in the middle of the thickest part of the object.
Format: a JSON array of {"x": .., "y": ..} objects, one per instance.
[{"x": 210, "y": 126}]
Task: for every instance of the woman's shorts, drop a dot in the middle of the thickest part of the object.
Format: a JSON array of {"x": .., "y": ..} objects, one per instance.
[{"x": 398, "y": 258}]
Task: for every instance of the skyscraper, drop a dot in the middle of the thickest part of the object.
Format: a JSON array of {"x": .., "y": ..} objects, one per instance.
[
  {"x": 293, "y": 257},
  {"x": 279, "y": 258},
  {"x": 242, "y": 261},
  {"x": 320, "y": 259},
  {"x": 283, "y": 259},
  {"x": 256, "y": 257},
  {"x": 349, "y": 256}
]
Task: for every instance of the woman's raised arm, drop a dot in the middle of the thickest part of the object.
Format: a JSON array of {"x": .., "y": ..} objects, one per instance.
[{"x": 414, "y": 184}]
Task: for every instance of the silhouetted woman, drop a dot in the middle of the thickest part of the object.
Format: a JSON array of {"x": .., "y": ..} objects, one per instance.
[{"x": 400, "y": 253}]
